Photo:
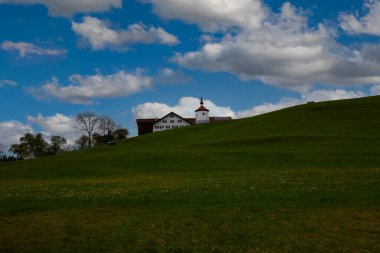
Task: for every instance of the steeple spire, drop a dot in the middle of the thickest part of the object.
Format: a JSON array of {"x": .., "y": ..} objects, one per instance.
[{"x": 201, "y": 114}]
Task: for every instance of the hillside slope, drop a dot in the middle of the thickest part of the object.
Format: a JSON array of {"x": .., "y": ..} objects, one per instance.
[
  {"x": 337, "y": 134},
  {"x": 303, "y": 179}
]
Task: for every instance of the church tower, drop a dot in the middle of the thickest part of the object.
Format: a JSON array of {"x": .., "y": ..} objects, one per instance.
[{"x": 201, "y": 114}]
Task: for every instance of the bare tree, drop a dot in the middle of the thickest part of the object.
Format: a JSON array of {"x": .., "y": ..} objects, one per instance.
[
  {"x": 88, "y": 122},
  {"x": 106, "y": 125}
]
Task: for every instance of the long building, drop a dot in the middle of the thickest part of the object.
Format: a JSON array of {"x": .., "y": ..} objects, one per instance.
[{"x": 173, "y": 120}]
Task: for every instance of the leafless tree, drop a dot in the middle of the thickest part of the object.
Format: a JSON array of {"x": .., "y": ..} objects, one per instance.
[
  {"x": 106, "y": 125},
  {"x": 88, "y": 122}
]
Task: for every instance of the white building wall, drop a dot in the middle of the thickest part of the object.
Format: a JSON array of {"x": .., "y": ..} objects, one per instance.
[
  {"x": 169, "y": 122},
  {"x": 202, "y": 117}
]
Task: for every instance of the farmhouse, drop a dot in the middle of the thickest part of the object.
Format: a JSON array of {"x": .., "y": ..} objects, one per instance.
[{"x": 173, "y": 120}]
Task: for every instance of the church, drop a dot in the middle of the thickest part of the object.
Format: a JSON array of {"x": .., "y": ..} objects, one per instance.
[{"x": 173, "y": 120}]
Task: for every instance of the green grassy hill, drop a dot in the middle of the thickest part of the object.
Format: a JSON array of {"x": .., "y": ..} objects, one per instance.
[{"x": 301, "y": 179}]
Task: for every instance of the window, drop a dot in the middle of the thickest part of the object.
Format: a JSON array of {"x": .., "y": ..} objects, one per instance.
[
  {"x": 172, "y": 121},
  {"x": 179, "y": 121},
  {"x": 156, "y": 127},
  {"x": 171, "y": 115},
  {"x": 204, "y": 113},
  {"x": 167, "y": 126},
  {"x": 164, "y": 121},
  {"x": 161, "y": 127}
]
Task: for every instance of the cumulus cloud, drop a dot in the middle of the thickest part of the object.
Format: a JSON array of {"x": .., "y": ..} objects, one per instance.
[
  {"x": 212, "y": 15},
  {"x": 185, "y": 107},
  {"x": 315, "y": 96},
  {"x": 327, "y": 95},
  {"x": 57, "y": 124},
  {"x": 269, "y": 107},
  {"x": 25, "y": 49},
  {"x": 11, "y": 131},
  {"x": 99, "y": 35},
  {"x": 367, "y": 24},
  {"x": 83, "y": 89},
  {"x": 67, "y": 8},
  {"x": 3, "y": 149},
  {"x": 7, "y": 83},
  {"x": 171, "y": 77},
  {"x": 375, "y": 90},
  {"x": 280, "y": 49}
]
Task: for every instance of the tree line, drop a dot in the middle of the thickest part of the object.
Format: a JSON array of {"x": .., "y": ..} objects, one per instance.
[
  {"x": 97, "y": 130},
  {"x": 4, "y": 157},
  {"x": 8, "y": 158},
  {"x": 33, "y": 146}
]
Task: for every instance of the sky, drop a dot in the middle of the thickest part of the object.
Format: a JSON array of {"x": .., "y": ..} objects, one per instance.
[{"x": 144, "y": 58}]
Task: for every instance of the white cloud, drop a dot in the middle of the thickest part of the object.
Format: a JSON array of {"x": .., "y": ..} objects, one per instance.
[
  {"x": 187, "y": 105},
  {"x": 371, "y": 52},
  {"x": 63, "y": 125},
  {"x": 278, "y": 48},
  {"x": 170, "y": 76},
  {"x": 327, "y": 95},
  {"x": 83, "y": 89},
  {"x": 67, "y": 8},
  {"x": 367, "y": 24},
  {"x": 27, "y": 49},
  {"x": 99, "y": 35},
  {"x": 316, "y": 96},
  {"x": 3, "y": 149},
  {"x": 212, "y": 15},
  {"x": 375, "y": 90},
  {"x": 269, "y": 107},
  {"x": 11, "y": 131},
  {"x": 186, "y": 108},
  {"x": 57, "y": 124},
  {"x": 7, "y": 83}
]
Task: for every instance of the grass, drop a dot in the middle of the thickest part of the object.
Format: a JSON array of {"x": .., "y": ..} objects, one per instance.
[{"x": 303, "y": 179}]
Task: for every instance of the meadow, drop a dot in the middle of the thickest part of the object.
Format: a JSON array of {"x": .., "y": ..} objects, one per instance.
[{"x": 302, "y": 179}]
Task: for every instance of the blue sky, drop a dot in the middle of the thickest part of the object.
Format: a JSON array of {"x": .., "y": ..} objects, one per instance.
[{"x": 245, "y": 57}]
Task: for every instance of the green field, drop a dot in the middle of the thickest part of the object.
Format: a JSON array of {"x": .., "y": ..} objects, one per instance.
[{"x": 303, "y": 179}]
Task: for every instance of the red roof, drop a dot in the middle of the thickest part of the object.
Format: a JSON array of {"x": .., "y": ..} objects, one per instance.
[
  {"x": 202, "y": 108},
  {"x": 146, "y": 120},
  {"x": 211, "y": 119},
  {"x": 217, "y": 119},
  {"x": 190, "y": 120}
]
